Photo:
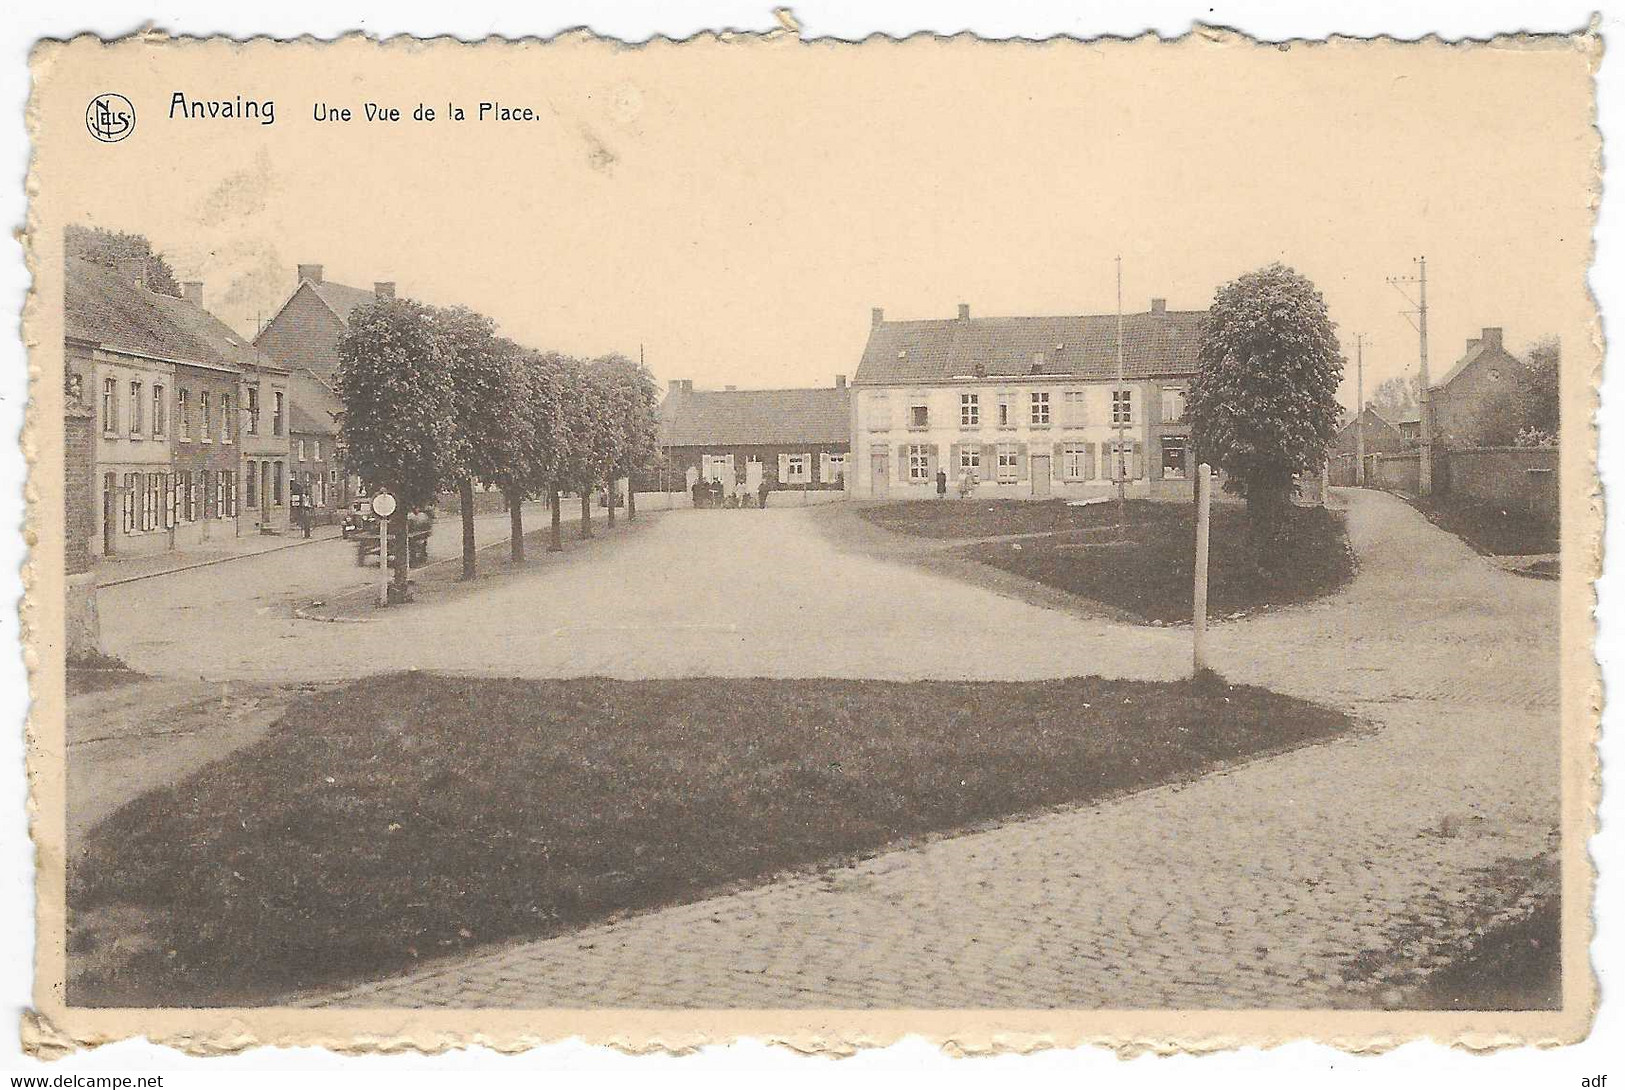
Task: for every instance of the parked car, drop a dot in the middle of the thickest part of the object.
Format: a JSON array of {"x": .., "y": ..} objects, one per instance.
[{"x": 359, "y": 519}]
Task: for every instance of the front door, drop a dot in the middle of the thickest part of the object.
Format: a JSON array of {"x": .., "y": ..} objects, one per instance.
[
  {"x": 1040, "y": 471},
  {"x": 880, "y": 475}
]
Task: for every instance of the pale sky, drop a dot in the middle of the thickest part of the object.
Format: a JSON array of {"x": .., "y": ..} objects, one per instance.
[{"x": 737, "y": 209}]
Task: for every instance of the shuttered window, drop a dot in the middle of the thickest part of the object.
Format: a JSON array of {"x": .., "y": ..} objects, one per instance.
[{"x": 1009, "y": 461}]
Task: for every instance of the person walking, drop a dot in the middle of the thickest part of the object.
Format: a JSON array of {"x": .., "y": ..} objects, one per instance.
[
  {"x": 942, "y": 484},
  {"x": 762, "y": 490}
]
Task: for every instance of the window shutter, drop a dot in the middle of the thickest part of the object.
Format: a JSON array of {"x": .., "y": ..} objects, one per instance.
[
  {"x": 784, "y": 468},
  {"x": 1022, "y": 473},
  {"x": 823, "y": 467},
  {"x": 953, "y": 460},
  {"x": 1089, "y": 461},
  {"x": 902, "y": 462},
  {"x": 1057, "y": 463},
  {"x": 1139, "y": 460},
  {"x": 931, "y": 462},
  {"x": 990, "y": 463}
]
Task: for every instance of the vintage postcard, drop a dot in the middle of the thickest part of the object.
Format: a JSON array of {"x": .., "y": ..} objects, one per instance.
[{"x": 1019, "y": 543}]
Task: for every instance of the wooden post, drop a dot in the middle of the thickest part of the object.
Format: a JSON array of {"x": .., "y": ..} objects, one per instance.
[
  {"x": 1204, "y": 498},
  {"x": 383, "y": 561}
]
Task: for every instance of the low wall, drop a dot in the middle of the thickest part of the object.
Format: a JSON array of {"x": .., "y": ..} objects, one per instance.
[
  {"x": 1524, "y": 477},
  {"x": 1395, "y": 472}
]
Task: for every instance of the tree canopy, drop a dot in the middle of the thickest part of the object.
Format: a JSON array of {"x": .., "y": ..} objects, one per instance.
[
  {"x": 113, "y": 248},
  {"x": 1263, "y": 405}
]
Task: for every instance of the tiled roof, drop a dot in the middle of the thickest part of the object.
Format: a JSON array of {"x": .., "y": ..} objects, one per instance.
[
  {"x": 935, "y": 350},
  {"x": 103, "y": 307},
  {"x": 227, "y": 348},
  {"x": 1376, "y": 418},
  {"x": 342, "y": 297},
  {"x": 312, "y": 406},
  {"x": 755, "y": 417}
]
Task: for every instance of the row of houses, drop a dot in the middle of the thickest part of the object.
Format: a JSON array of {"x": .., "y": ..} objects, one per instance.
[
  {"x": 194, "y": 432},
  {"x": 1014, "y": 407}
]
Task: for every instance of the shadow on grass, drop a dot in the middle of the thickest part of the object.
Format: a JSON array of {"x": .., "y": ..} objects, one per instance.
[{"x": 407, "y": 816}]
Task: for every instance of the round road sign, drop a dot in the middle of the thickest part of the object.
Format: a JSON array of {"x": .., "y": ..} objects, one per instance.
[{"x": 383, "y": 505}]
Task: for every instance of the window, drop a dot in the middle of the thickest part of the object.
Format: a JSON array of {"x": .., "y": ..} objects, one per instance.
[
  {"x": 135, "y": 410},
  {"x": 159, "y": 416},
  {"x": 832, "y": 468},
  {"x": 225, "y": 418},
  {"x": 301, "y": 446},
  {"x": 1121, "y": 460},
  {"x": 1007, "y": 461},
  {"x": 183, "y": 412},
  {"x": 919, "y": 415},
  {"x": 919, "y": 463},
  {"x": 207, "y": 417},
  {"x": 1074, "y": 413},
  {"x": 1173, "y": 405},
  {"x": 229, "y": 483},
  {"x": 318, "y": 445},
  {"x": 253, "y": 423},
  {"x": 276, "y": 414},
  {"x": 1040, "y": 410},
  {"x": 970, "y": 410},
  {"x": 276, "y": 483},
  {"x": 1173, "y": 458},
  {"x": 110, "y": 406},
  {"x": 1074, "y": 461},
  {"x": 970, "y": 462},
  {"x": 795, "y": 471},
  {"x": 252, "y": 494},
  {"x": 1006, "y": 420},
  {"x": 1122, "y": 406}
]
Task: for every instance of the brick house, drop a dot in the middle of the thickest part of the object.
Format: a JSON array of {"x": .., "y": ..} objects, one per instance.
[
  {"x": 303, "y": 337},
  {"x": 792, "y": 439},
  {"x": 1382, "y": 436},
  {"x": 1026, "y": 407},
  {"x": 1467, "y": 388}
]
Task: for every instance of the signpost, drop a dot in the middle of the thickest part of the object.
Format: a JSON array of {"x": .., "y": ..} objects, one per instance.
[
  {"x": 383, "y": 505},
  {"x": 1204, "y": 497}
]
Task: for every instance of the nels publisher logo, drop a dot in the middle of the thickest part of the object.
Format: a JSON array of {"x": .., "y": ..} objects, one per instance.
[{"x": 110, "y": 118}]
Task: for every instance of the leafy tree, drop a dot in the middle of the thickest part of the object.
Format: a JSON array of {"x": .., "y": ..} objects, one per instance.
[
  {"x": 593, "y": 447},
  {"x": 485, "y": 409},
  {"x": 114, "y": 248},
  {"x": 1397, "y": 398},
  {"x": 1525, "y": 410},
  {"x": 553, "y": 447},
  {"x": 399, "y": 430},
  {"x": 635, "y": 407},
  {"x": 1263, "y": 406}
]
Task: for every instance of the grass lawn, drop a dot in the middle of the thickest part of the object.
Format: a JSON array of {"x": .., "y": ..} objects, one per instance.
[
  {"x": 98, "y": 672},
  {"x": 1489, "y": 528},
  {"x": 1515, "y": 967},
  {"x": 411, "y": 815},
  {"x": 1148, "y": 571}
]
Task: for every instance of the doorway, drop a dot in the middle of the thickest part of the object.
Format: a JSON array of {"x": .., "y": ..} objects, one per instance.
[
  {"x": 1040, "y": 472},
  {"x": 880, "y": 475}
]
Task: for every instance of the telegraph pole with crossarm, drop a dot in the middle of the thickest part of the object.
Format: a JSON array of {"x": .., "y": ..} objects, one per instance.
[{"x": 1424, "y": 471}]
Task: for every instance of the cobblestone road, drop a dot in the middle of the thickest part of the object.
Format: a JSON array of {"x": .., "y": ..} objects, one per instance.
[{"x": 1259, "y": 886}]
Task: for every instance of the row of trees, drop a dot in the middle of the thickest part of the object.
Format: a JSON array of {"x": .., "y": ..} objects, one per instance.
[{"x": 435, "y": 401}]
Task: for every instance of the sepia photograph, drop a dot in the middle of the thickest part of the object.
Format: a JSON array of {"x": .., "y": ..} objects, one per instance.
[{"x": 1093, "y": 539}]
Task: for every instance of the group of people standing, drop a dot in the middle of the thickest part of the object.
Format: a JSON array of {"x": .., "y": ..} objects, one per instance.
[{"x": 711, "y": 494}]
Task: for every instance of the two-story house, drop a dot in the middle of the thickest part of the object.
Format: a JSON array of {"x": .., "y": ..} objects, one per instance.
[
  {"x": 1459, "y": 400},
  {"x": 1027, "y": 406}
]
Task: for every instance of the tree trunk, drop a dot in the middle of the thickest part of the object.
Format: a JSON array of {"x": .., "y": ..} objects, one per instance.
[
  {"x": 1267, "y": 498},
  {"x": 631, "y": 501},
  {"x": 610, "y": 518},
  {"x": 402, "y": 559},
  {"x": 516, "y": 527},
  {"x": 555, "y": 543},
  {"x": 585, "y": 529},
  {"x": 465, "y": 500}
]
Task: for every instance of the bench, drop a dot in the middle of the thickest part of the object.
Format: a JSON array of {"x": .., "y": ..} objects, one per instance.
[{"x": 417, "y": 542}]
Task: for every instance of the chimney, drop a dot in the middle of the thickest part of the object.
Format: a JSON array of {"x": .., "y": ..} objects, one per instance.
[
  {"x": 192, "y": 292},
  {"x": 384, "y": 289},
  {"x": 840, "y": 382},
  {"x": 1472, "y": 343},
  {"x": 964, "y": 312},
  {"x": 876, "y": 316},
  {"x": 1492, "y": 336},
  {"x": 674, "y": 385},
  {"x": 1159, "y": 306},
  {"x": 313, "y": 273},
  {"x": 730, "y": 388},
  {"x": 688, "y": 386}
]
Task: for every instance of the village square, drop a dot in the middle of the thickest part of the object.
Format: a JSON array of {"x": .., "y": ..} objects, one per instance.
[{"x": 877, "y": 693}]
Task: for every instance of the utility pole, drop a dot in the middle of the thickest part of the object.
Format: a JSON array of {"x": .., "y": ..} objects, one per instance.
[
  {"x": 1424, "y": 470},
  {"x": 1119, "y": 411},
  {"x": 1359, "y": 409}
]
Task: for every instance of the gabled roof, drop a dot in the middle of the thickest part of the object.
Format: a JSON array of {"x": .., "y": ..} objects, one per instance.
[
  {"x": 227, "y": 347},
  {"x": 1374, "y": 416},
  {"x": 103, "y": 307},
  {"x": 1155, "y": 343},
  {"x": 342, "y": 298},
  {"x": 314, "y": 407},
  {"x": 692, "y": 418},
  {"x": 1477, "y": 349}
]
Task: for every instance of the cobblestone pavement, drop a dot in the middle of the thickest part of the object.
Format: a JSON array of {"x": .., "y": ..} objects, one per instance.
[{"x": 1276, "y": 883}]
